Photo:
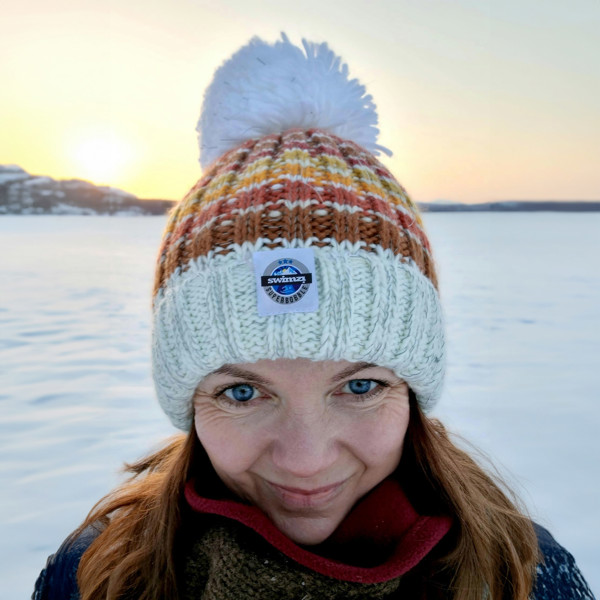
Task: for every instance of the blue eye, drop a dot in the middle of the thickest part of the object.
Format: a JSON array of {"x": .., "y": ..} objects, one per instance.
[
  {"x": 241, "y": 392},
  {"x": 360, "y": 386}
]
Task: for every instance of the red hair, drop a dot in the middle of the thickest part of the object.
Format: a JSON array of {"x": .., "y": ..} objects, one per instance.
[{"x": 491, "y": 549}]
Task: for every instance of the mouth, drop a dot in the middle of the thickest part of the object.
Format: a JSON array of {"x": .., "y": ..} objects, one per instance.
[{"x": 296, "y": 498}]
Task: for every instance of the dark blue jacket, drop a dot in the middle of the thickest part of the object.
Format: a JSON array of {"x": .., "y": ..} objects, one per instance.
[
  {"x": 58, "y": 579},
  {"x": 558, "y": 577}
]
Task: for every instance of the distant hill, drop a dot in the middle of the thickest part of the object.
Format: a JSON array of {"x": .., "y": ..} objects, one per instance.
[
  {"x": 25, "y": 194},
  {"x": 513, "y": 206}
]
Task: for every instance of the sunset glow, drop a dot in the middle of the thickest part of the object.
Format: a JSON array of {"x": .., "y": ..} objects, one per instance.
[
  {"x": 101, "y": 159},
  {"x": 478, "y": 101}
]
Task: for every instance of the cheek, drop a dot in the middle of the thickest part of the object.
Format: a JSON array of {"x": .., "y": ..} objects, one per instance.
[
  {"x": 379, "y": 440},
  {"x": 230, "y": 446}
]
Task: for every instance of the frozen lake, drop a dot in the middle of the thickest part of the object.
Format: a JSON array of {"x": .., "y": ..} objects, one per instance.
[{"x": 522, "y": 299}]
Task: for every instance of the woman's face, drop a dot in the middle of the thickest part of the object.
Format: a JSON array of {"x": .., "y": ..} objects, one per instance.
[{"x": 302, "y": 440}]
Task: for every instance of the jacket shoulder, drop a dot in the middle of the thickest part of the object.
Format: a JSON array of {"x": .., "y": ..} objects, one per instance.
[
  {"x": 58, "y": 579},
  {"x": 558, "y": 577}
]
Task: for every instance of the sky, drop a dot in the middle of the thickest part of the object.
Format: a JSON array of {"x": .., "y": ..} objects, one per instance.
[{"x": 478, "y": 100}]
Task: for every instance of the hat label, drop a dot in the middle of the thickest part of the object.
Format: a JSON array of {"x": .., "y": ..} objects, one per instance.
[{"x": 285, "y": 281}]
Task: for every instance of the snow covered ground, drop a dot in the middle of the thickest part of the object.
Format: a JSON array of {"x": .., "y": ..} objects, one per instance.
[{"x": 522, "y": 298}]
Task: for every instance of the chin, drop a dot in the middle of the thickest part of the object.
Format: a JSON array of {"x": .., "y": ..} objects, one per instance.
[{"x": 306, "y": 532}]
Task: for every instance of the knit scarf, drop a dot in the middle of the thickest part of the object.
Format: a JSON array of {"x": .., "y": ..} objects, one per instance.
[{"x": 234, "y": 551}]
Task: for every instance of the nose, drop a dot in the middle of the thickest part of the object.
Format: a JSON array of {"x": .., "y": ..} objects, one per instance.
[{"x": 305, "y": 444}]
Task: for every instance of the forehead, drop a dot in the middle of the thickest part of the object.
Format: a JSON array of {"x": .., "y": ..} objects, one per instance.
[{"x": 299, "y": 367}]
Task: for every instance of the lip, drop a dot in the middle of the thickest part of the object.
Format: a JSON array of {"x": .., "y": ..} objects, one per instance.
[{"x": 293, "y": 497}]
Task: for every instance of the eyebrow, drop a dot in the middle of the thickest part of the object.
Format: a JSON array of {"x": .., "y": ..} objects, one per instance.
[
  {"x": 354, "y": 368},
  {"x": 241, "y": 374},
  {"x": 254, "y": 378}
]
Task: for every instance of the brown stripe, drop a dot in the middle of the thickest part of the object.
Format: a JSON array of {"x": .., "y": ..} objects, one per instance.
[
  {"x": 293, "y": 191},
  {"x": 298, "y": 223}
]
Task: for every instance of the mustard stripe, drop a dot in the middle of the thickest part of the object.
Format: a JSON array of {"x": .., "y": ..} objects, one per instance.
[{"x": 312, "y": 176}]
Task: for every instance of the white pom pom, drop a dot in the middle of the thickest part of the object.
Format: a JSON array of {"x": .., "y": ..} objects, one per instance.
[{"x": 264, "y": 89}]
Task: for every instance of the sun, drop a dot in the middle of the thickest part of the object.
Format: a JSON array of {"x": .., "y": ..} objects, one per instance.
[{"x": 101, "y": 157}]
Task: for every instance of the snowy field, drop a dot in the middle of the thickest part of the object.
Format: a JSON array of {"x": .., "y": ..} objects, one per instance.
[{"x": 522, "y": 299}]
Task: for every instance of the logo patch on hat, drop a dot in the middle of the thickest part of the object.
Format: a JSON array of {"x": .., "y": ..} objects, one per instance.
[{"x": 285, "y": 281}]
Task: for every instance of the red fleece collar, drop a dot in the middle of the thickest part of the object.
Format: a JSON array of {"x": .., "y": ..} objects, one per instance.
[{"x": 383, "y": 524}]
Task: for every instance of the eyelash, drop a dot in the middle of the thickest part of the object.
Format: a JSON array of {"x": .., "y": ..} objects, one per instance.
[
  {"x": 379, "y": 387},
  {"x": 221, "y": 396}
]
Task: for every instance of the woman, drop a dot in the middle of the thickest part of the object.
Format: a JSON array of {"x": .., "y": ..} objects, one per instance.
[{"x": 298, "y": 342}]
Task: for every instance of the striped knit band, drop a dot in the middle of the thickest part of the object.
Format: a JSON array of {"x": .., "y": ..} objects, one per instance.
[{"x": 378, "y": 300}]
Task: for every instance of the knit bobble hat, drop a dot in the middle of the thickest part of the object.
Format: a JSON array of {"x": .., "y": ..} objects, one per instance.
[{"x": 296, "y": 242}]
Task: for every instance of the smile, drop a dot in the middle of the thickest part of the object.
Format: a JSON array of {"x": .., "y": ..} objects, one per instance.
[{"x": 292, "y": 497}]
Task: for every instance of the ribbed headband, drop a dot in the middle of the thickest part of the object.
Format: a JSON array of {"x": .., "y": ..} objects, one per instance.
[{"x": 295, "y": 244}]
